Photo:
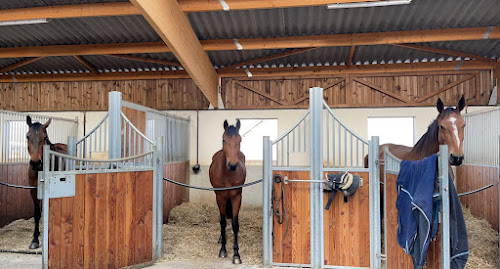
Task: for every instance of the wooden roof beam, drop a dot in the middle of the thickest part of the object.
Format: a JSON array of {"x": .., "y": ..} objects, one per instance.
[
  {"x": 351, "y": 55},
  {"x": 357, "y": 39},
  {"x": 144, "y": 59},
  {"x": 173, "y": 26},
  {"x": 19, "y": 64},
  {"x": 87, "y": 65},
  {"x": 266, "y": 72},
  {"x": 127, "y": 8},
  {"x": 446, "y": 52}
]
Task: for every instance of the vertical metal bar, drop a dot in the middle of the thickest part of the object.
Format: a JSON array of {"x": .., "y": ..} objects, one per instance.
[
  {"x": 351, "y": 152},
  {"x": 445, "y": 198},
  {"x": 267, "y": 217},
  {"x": 293, "y": 139},
  {"x": 288, "y": 150},
  {"x": 374, "y": 210},
  {"x": 52, "y": 162},
  {"x": 90, "y": 147},
  {"x": 305, "y": 135},
  {"x": 345, "y": 147},
  {"x": 43, "y": 176},
  {"x": 158, "y": 198},
  {"x": 105, "y": 132},
  {"x": 340, "y": 143},
  {"x": 115, "y": 99},
  {"x": 298, "y": 135},
  {"x": 357, "y": 152},
  {"x": 316, "y": 173},
  {"x": 333, "y": 141},
  {"x": 327, "y": 140},
  {"x": 282, "y": 151}
]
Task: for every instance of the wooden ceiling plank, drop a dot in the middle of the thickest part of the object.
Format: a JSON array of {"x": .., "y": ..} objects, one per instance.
[
  {"x": 446, "y": 52},
  {"x": 173, "y": 26},
  {"x": 19, "y": 64},
  {"x": 357, "y": 39},
  {"x": 444, "y": 88},
  {"x": 87, "y": 65},
  {"x": 382, "y": 90},
  {"x": 302, "y": 99},
  {"x": 127, "y": 8},
  {"x": 144, "y": 59},
  {"x": 267, "y": 58}
]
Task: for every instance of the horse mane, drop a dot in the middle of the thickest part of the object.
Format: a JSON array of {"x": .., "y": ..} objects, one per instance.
[
  {"x": 432, "y": 131},
  {"x": 231, "y": 131}
]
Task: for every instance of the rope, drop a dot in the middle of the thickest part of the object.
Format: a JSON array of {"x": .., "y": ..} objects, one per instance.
[
  {"x": 280, "y": 216},
  {"x": 476, "y": 190},
  {"x": 213, "y": 189},
  {"x": 17, "y": 186}
]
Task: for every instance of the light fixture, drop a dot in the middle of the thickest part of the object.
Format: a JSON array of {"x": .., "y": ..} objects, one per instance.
[
  {"x": 369, "y": 4},
  {"x": 23, "y": 22}
]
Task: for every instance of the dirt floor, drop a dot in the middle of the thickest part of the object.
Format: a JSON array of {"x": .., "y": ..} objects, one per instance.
[{"x": 190, "y": 241}]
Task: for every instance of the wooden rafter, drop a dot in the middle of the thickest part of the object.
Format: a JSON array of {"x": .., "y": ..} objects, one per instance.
[
  {"x": 144, "y": 59},
  {"x": 19, "y": 64},
  {"x": 270, "y": 97},
  {"x": 382, "y": 90},
  {"x": 357, "y": 39},
  {"x": 126, "y": 8},
  {"x": 87, "y": 65},
  {"x": 351, "y": 55},
  {"x": 444, "y": 88},
  {"x": 302, "y": 99},
  {"x": 446, "y": 52},
  {"x": 276, "y": 73},
  {"x": 267, "y": 58},
  {"x": 173, "y": 26}
]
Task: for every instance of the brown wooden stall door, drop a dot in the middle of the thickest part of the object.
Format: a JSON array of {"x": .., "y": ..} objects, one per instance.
[{"x": 107, "y": 224}]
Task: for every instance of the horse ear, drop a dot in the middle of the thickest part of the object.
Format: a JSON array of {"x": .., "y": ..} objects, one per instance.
[
  {"x": 440, "y": 105},
  {"x": 45, "y": 125},
  {"x": 226, "y": 124},
  {"x": 238, "y": 124},
  {"x": 461, "y": 104},
  {"x": 28, "y": 121}
]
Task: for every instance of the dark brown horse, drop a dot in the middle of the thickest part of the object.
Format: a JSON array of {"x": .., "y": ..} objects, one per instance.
[
  {"x": 37, "y": 137},
  {"x": 228, "y": 170}
]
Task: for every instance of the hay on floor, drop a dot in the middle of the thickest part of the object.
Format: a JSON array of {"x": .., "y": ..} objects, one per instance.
[
  {"x": 17, "y": 236},
  {"x": 483, "y": 243},
  {"x": 193, "y": 231}
]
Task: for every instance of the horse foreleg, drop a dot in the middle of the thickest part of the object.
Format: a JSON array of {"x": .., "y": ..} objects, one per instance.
[
  {"x": 37, "y": 214},
  {"x": 236, "y": 203},
  {"x": 221, "y": 203}
]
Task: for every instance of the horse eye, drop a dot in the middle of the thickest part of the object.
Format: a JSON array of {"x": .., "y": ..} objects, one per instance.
[
  {"x": 441, "y": 127},
  {"x": 223, "y": 141}
]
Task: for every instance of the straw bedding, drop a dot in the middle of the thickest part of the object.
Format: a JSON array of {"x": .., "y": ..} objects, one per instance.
[{"x": 17, "y": 236}]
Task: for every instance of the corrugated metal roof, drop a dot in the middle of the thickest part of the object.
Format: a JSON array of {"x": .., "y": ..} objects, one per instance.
[
  {"x": 487, "y": 48},
  {"x": 95, "y": 30},
  {"x": 112, "y": 64},
  {"x": 323, "y": 56},
  {"x": 10, "y": 4},
  {"x": 4, "y": 62},
  {"x": 420, "y": 14},
  {"x": 224, "y": 58},
  {"x": 60, "y": 64}
]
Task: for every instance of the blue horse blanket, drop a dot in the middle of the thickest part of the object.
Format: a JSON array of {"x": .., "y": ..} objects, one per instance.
[
  {"x": 417, "y": 213},
  {"x": 415, "y": 187}
]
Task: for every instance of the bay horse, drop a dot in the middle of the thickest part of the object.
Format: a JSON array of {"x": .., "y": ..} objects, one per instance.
[
  {"x": 228, "y": 170},
  {"x": 36, "y": 138}
]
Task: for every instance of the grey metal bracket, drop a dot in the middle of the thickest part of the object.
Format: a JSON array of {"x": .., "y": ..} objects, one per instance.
[{"x": 61, "y": 185}]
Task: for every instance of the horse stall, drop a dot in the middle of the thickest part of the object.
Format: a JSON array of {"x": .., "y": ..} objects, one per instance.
[
  {"x": 297, "y": 230},
  {"x": 480, "y": 170},
  {"x": 15, "y": 203},
  {"x": 103, "y": 205}
]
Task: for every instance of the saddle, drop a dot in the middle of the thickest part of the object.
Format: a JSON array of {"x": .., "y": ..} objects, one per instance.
[{"x": 345, "y": 182}]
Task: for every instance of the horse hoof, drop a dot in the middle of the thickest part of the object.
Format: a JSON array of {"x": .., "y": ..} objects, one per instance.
[
  {"x": 34, "y": 245},
  {"x": 236, "y": 260},
  {"x": 222, "y": 253}
]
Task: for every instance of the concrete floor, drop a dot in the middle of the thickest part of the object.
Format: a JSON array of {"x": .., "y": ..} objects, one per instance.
[{"x": 30, "y": 261}]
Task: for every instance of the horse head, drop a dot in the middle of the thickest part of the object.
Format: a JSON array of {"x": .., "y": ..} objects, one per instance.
[
  {"x": 451, "y": 130},
  {"x": 37, "y": 137},
  {"x": 231, "y": 140}
]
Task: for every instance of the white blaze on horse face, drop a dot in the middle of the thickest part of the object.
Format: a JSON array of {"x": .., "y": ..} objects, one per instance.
[{"x": 455, "y": 130}]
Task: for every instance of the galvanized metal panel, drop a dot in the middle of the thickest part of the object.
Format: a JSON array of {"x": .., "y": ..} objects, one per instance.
[
  {"x": 482, "y": 133},
  {"x": 61, "y": 185},
  {"x": 9, "y": 4}
]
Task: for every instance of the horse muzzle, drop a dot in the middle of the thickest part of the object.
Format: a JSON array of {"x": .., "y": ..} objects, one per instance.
[
  {"x": 37, "y": 166},
  {"x": 456, "y": 160},
  {"x": 231, "y": 166}
]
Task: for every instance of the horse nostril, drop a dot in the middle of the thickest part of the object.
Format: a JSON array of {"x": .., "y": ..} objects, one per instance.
[{"x": 231, "y": 166}]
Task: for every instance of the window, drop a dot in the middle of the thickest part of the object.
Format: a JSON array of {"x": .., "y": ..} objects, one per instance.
[
  {"x": 395, "y": 130},
  {"x": 252, "y": 131}
]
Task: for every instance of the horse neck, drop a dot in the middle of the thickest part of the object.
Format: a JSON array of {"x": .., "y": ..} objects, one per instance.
[{"x": 428, "y": 144}]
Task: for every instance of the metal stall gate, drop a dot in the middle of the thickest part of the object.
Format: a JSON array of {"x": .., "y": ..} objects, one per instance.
[
  {"x": 438, "y": 254},
  {"x": 14, "y": 159},
  {"x": 103, "y": 212},
  {"x": 297, "y": 230}
]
